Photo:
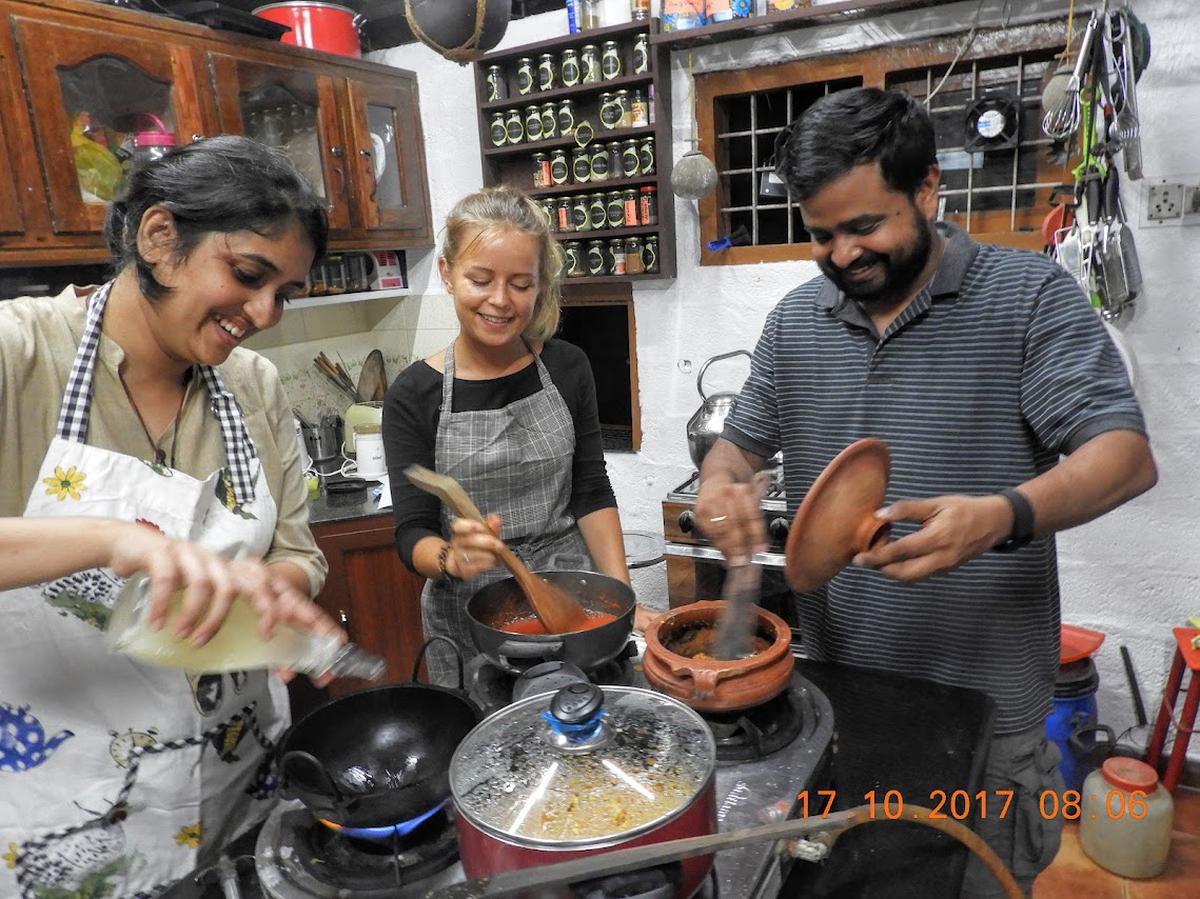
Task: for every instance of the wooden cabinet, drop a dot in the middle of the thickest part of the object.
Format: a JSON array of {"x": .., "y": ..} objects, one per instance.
[
  {"x": 377, "y": 599},
  {"x": 78, "y": 79}
]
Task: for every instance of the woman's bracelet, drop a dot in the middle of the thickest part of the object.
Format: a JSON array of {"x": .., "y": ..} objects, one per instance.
[{"x": 444, "y": 575}]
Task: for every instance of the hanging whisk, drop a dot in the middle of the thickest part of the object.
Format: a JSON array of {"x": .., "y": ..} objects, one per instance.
[{"x": 1062, "y": 121}]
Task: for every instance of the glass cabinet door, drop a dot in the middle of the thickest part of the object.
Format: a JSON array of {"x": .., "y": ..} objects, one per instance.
[
  {"x": 100, "y": 102},
  {"x": 292, "y": 110},
  {"x": 391, "y": 189}
]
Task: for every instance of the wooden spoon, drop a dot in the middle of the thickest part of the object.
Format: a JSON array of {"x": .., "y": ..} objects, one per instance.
[
  {"x": 557, "y": 609},
  {"x": 372, "y": 382}
]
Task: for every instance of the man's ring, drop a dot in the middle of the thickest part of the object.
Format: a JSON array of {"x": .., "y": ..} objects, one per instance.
[{"x": 717, "y": 519}]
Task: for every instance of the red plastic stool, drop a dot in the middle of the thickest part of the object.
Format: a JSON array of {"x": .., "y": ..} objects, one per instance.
[{"x": 1185, "y": 653}]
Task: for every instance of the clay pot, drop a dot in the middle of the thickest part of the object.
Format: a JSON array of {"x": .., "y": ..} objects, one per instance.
[{"x": 715, "y": 685}]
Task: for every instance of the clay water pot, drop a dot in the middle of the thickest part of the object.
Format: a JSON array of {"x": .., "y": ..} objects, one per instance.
[{"x": 716, "y": 685}]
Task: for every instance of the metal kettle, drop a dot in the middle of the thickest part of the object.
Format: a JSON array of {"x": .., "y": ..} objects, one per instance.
[{"x": 706, "y": 425}]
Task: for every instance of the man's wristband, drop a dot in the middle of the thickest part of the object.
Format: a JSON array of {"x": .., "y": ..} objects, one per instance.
[
  {"x": 1022, "y": 529},
  {"x": 444, "y": 576}
]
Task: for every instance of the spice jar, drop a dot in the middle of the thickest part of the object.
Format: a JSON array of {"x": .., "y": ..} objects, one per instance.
[
  {"x": 639, "y": 112},
  {"x": 631, "y": 160},
  {"x": 616, "y": 256},
  {"x": 499, "y": 130},
  {"x": 610, "y": 61},
  {"x": 581, "y": 165},
  {"x": 515, "y": 126},
  {"x": 648, "y": 205},
  {"x": 650, "y": 254},
  {"x": 569, "y": 68},
  {"x": 550, "y": 208},
  {"x": 566, "y": 118},
  {"x": 610, "y": 111},
  {"x": 560, "y": 169},
  {"x": 614, "y": 159},
  {"x": 562, "y": 216},
  {"x": 639, "y": 10},
  {"x": 614, "y": 208},
  {"x": 573, "y": 258},
  {"x": 630, "y": 200},
  {"x": 541, "y": 170},
  {"x": 589, "y": 13},
  {"x": 626, "y": 108},
  {"x": 634, "y": 263},
  {"x": 641, "y": 54},
  {"x": 595, "y": 257},
  {"x": 597, "y": 212},
  {"x": 589, "y": 64},
  {"x": 533, "y": 123},
  {"x": 646, "y": 152},
  {"x": 525, "y": 75},
  {"x": 581, "y": 213},
  {"x": 547, "y": 73},
  {"x": 549, "y": 121},
  {"x": 600, "y": 166},
  {"x": 497, "y": 88}
]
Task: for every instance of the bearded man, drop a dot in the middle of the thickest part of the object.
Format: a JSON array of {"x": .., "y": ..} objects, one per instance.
[{"x": 1008, "y": 414}]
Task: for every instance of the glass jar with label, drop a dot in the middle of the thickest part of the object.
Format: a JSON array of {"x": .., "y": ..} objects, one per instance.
[
  {"x": 634, "y": 263},
  {"x": 589, "y": 13},
  {"x": 631, "y": 160},
  {"x": 581, "y": 214},
  {"x": 533, "y": 123},
  {"x": 497, "y": 87},
  {"x": 499, "y": 130},
  {"x": 600, "y": 167},
  {"x": 614, "y": 159},
  {"x": 648, "y": 205},
  {"x": 597, "y": 212},
  {"x": 639, "y": 10},
  {"x": 573, "y": 258},
  {"x": 626, "y": 108},
  {"x": 616, "y": 256},
  {"x": 525, "y": 76},
  {"x": 581, "y": 165},
  {"x": 515, "y": 126},
  {"x": 569, "y": 68},
  {"x": 563, "y": 218},
  {"x": 549, "y": 121},
  {"x": 614, "y": 210},
  {"x": 560, "y": 169},
  {"x": 641, "y": 54},
  {"x": 566, "y": 118},
  {"x": 589, "y": 64},
  {"x": 596, "y": 258},
  {"x": 610, "y": 61},
  {"x": 550, "y": 207},
  {"x": 639, "y": 112},
  {"x": 541, "y": 170},
  {"x": 650, "y": 254},
  {"x": 630, "y": 199},
  {"x": 610, "y": 111},
  {"x": 547, "y": 73},
  {"x": 646, "y": 154}
]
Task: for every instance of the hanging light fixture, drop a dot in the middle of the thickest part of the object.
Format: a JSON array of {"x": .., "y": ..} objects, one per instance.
[{"x": 694, "y": 176}]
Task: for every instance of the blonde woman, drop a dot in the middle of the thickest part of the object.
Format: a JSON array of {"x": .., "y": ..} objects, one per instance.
[{"x": 509, "y": 412}]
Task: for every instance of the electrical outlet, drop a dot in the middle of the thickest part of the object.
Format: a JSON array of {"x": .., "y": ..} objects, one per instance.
[{"x": 1164, "y": 201}]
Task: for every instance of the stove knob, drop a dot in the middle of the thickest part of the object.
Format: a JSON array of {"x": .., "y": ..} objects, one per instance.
[
  {"x": 778, "y": 529},
  {"x": 687, "y": 522}
]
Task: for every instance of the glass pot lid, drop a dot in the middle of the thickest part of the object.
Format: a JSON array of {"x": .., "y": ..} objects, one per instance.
[{"x": 582, "y": 766}]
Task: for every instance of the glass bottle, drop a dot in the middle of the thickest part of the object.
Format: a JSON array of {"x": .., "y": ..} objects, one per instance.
[
  {"x": 650, "y": 254},
  {"x": 590, "y": 14},
  {"x": 635, "y": 263},
  {"x": 236, "y": 646}
]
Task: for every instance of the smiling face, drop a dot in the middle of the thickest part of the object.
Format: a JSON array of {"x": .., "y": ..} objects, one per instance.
[
  {"x": 868, "y": 239},
  {"x": 230, "y": 286},
  {"x": 494, "y": 282}
]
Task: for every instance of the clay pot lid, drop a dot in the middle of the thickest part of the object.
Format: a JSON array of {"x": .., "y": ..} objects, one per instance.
[{"x": 836, "y": 520}]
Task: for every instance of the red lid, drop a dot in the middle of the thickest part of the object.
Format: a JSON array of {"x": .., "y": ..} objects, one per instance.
[
  {"x": 1129, "y": 774},
  {"x": 154, "y": 139},
  {"x": 1077, "y": 643},
  {"x": 648, "y": 188}
]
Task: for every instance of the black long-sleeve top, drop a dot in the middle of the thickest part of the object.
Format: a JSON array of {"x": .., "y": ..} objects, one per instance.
[{"x": 413, "y": 408}]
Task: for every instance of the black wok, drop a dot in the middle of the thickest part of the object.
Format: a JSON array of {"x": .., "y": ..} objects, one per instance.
[
  {"x": 377, "y": 757},
  {"x": 502, "y": 602}
]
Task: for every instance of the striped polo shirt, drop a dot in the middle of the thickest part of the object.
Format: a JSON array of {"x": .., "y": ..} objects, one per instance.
[{"x": 992, "y": 372}]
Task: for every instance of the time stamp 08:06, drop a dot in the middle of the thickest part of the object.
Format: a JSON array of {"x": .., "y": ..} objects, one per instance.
[{"x": 960, "y": 805}]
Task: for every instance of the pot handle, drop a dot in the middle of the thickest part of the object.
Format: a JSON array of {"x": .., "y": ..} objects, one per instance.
[
  {"x": 298, "y": 758},
  {"x": 358, "y": 22},
  {"x": 705, "y": 680},
  {"x": 704, "y": 368},
  {"x": 518, "y": 649},
  {"x": 462, "y": 682}
]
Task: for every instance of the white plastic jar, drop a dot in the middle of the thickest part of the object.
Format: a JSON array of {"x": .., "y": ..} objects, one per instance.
[{"x": 1125, "y": 818}]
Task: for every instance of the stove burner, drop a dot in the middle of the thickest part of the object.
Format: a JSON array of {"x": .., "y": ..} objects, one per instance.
[
  {"x": 757, "y": 732},
  {"x": 493, "y": 686},
  {"x": 383, "y": 833}
]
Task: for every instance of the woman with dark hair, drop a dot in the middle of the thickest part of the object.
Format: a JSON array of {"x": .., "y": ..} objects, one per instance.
[{"x": 172, "y": 449}]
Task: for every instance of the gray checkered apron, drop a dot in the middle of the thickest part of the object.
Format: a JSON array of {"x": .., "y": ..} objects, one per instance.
[{"x": 515, "y": 462}]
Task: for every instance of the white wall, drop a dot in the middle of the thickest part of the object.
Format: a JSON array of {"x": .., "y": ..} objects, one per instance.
[{"x": 1133, "y": 574}]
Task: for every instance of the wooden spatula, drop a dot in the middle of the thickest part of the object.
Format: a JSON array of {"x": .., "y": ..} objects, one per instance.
[{"x": 557, "y": 609}]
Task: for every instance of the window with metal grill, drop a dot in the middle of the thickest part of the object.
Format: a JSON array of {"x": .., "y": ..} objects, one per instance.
[{"x": 998, "y": 169}]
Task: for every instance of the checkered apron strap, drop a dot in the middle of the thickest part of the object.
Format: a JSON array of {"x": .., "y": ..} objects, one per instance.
[
  {"x": 73, "y": 417},
  {"x": 239, "y": 448}
]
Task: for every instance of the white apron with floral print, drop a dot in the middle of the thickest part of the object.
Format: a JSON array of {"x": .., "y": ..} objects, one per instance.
[{"x": 114, "y": 773}]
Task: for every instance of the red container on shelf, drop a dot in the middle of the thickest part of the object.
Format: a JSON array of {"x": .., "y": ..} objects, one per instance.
[{"x": 318, "y": 26}]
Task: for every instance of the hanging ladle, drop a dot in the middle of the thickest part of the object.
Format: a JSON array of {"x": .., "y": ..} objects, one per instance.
[{"x": 557, "y": 609}]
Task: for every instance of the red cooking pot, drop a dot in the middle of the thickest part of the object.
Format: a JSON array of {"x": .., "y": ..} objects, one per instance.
[
  {"x": 586, "y": 769},
  {"x": 318, "y": 26}
]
